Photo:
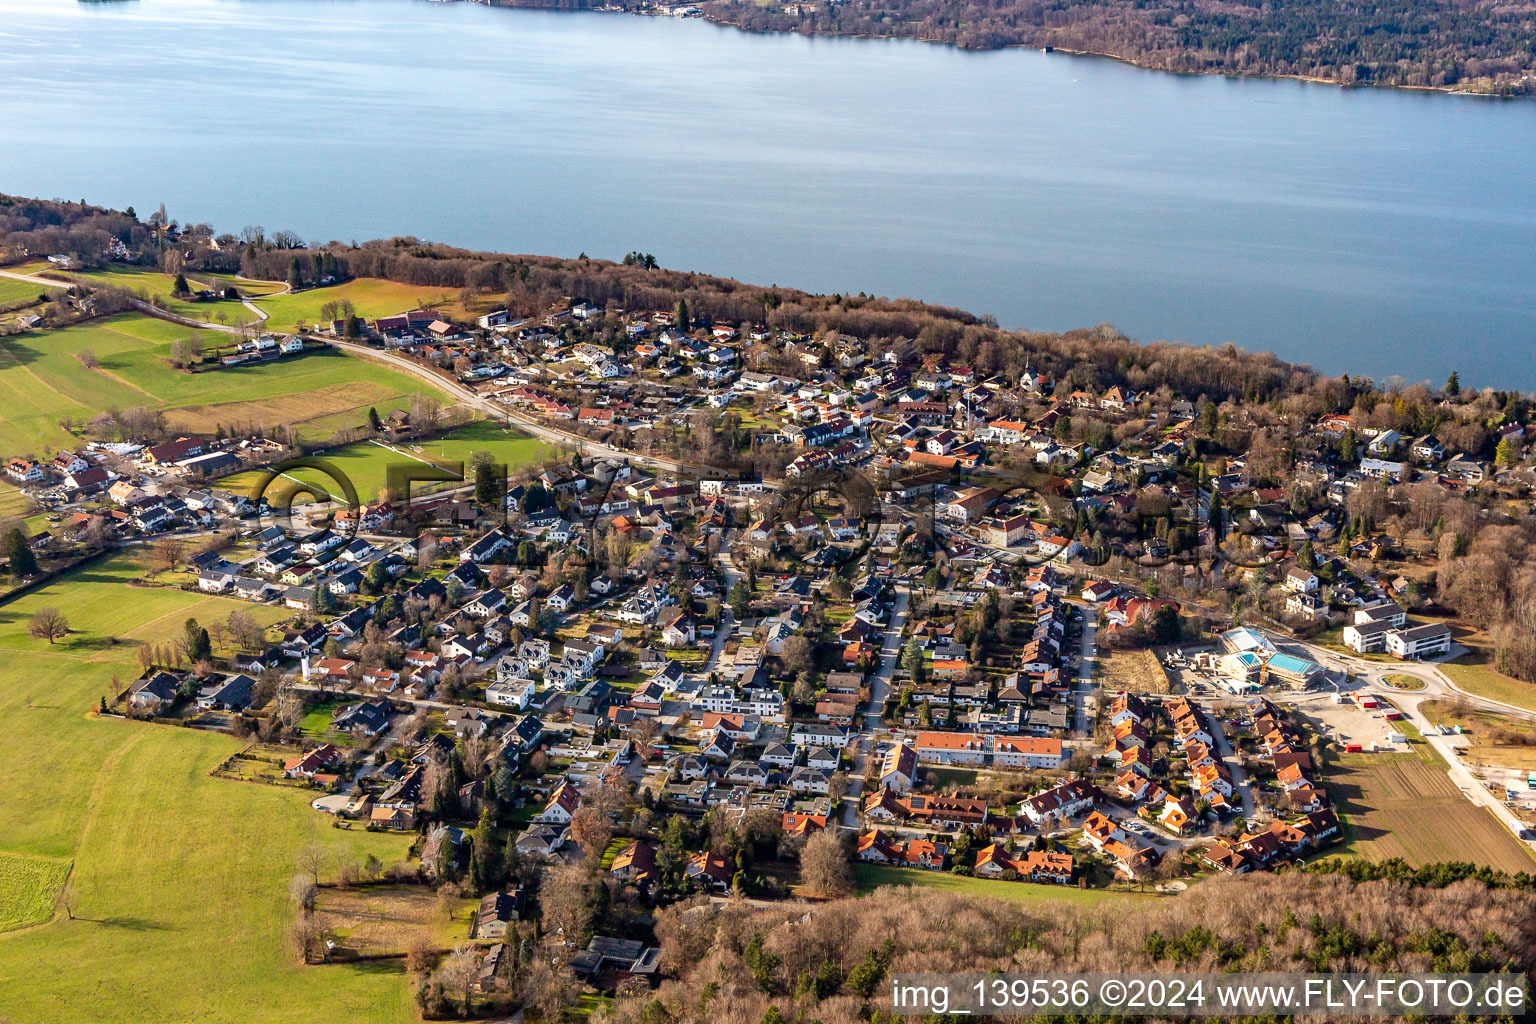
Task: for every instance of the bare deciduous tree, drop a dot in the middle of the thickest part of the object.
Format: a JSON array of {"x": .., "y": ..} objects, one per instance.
[
  {"x": 824, "y": 869},
  {"x": 48, "y": 624},
  {"x": 590, "y": 828},
  {"x": 566, "y": 897},
  {"x": 457, "y": 971},
  {"x": 311, "y": 860},
  {"x": 302, "y": 891}
]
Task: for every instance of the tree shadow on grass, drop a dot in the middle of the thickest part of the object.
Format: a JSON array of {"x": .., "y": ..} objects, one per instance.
[{"x": 126, "y": 923}]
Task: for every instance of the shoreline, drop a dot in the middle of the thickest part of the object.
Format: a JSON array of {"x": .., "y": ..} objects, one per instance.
[{"x": 706, "y": 13}]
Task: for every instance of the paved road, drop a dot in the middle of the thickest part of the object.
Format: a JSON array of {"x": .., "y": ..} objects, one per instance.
[
  {"x": 1240, "y": 780},
  {"x": 727, "y": 617},
  {"x": 1082, "y": 687},
  {"x": 1437, "y": 686},
  {"x": 498, "y": 411},
  {"x": 879, "y": 687}
]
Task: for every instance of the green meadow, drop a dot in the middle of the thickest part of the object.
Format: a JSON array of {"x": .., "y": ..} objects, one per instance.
[
  {"x": 370, "y": 297},
  {"x": 870, "y": 877},
  {"x": 180, "y": 878},
  {"x": 157, "y": 287},
  {"x": 17, "y": 293},
  {"x": 42, "y": 380},
  {"x": 366, "y": 463}
]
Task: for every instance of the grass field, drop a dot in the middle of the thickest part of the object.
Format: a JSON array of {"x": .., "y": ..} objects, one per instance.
[
  {"x": 370, "y": 297},
  {"x": 1472, "y": 673},
  {"x": 17, "y": 293},
  {"x": 366, "y": 463},
  {"x": 1494, "y": 737},
  {"x": 181, "y": 877},
  {"x": 42, "y": 381},
  {"x": 29, "y": 888},
  {"x": 12, "y": 502},
  {"x": 872, "y": 876},
  {"x": 391, "y": 918},
  {"x": 1405, "y": 805},
  {"x": 153, "y": 285},
  {"x": 246, "y": 286}
]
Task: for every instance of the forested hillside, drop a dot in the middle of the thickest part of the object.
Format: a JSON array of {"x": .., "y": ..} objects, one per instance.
[
  {"x": 1478, "y": 45},
  {"x": 736, "y": 964}
]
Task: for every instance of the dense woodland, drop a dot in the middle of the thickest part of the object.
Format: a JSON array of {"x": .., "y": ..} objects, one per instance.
[
  {"x": 737, "y": 964},
  {"x": 1479, "y": 46}
]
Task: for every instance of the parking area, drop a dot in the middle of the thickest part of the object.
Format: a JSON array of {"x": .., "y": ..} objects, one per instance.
[{"x": 1348, "y": 725}]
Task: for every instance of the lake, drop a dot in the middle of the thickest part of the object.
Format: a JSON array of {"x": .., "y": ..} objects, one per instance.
[{"x": 1365, "y": 231}]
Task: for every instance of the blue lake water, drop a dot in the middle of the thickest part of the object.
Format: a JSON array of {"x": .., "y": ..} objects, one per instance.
[{"x": 1365, "y": 231}]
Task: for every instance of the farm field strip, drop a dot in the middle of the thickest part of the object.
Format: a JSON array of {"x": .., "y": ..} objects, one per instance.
[{"x": 1405, "y": 805}]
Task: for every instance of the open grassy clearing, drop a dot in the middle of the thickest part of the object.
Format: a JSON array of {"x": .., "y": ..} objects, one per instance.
[
  {"x": 872, "y": 876},
  {"x": 18, "y": 293},
  {"x": 155, "y": 286},
  {"x": 1136, "y": 671},
  {"x": 1496, "y": 739},
  {"x": 181, "y": 877},
  {"x": 29, "y": 889},
  {"x": 1405, "y": 805},
  {"x": 13, "y": 503},
  {"x": 366, "y": 463},
  {"x": 378, "y": 919},
  {"x": 42, "y": 381},
  {"x": 1473, "y": 673},
  {"x": 370, "y": 297}
]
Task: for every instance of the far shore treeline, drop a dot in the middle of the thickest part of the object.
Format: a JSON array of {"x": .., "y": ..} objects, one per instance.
[{"x": 1477, "y": 46}]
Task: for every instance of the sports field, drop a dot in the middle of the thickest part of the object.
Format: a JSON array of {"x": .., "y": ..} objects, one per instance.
[
  {"x": 366, "y": 463},
  {"x": 181, "y": 878},
  {"x": 1405, "y": 805},
  {"x": 370, "y": 297},
  {"x": 42, "y": 381}
]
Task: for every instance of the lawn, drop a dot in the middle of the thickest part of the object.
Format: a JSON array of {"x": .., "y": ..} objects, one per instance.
[
  {"x": 1403, "y": 681},
  {"x": 29, "y": 888},
  {"x": 370, "y": 298},
  {"x": 181, "y": 878},
  {"x": 155, "y": 286},
  {"x": 42, "y": 381},
  {"x": 1472, "y": 673},
  {"x": 366, "y": 463},
  {"x": 18, "y": 293},
  {"x": 1405, "y": 805},
  {"x": 872, "y": 876},
  {"x": 392, "y": 918}
]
